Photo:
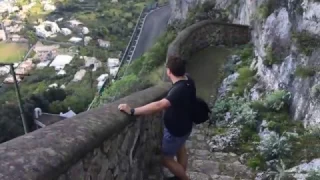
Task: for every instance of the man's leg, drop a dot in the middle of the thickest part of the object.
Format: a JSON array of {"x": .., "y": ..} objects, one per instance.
[
  {"x": 170, "y": 147},
  {"x": 174, "y": 167},
  {"x": 182, "y": 157}
]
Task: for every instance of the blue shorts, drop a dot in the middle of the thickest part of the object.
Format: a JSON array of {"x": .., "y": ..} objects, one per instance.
[{"x": 171, "y": 144}]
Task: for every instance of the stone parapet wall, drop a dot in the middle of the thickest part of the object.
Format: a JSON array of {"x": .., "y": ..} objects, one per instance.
[
  {"x": 100, "y": 144},
  {"x": 207, "y": 33}
]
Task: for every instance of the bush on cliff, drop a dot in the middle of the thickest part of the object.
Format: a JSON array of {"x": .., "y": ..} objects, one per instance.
[{"x": 245, "y": 81}]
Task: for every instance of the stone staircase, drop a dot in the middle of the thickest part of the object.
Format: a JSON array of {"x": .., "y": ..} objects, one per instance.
[{"x": 206, "y": 165}]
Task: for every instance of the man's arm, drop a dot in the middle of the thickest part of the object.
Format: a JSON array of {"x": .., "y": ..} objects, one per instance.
[
  {"x": 152, "y": 107},
  {"x": 146, "y": 109}
]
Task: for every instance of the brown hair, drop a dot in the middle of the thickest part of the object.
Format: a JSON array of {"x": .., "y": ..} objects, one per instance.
[{"x": 176, "y": 65}]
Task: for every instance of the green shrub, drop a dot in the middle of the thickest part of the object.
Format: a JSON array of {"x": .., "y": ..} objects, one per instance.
[
  {"x": 239, "y": 109},
  {"x": 307, "y": 42},
  {"x": 245, "y": 81},
  {"x": 304, "y": 72},
  {"x": 266, "y": 9},
  {"x": 277, "y": 100},
  {"x": 305, "y": 148},
  {"x": 123, "y": 87},
  {"x": 248, "y": 134},
  {"x": 313, "y": 175},
  {"x": 275, "y": 146},
  {"x": 258, "y": 106},
  {"x": 256, "y": 162},
  {"x": 246, "y": 54},
  {"x": 271, "y": 57}
]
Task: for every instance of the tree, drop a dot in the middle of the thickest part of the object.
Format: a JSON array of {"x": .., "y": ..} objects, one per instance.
[
  {"x": 56, "y": 107},
  {"x": 55, "y": 94},
  {"x": 10, "y": 122}
]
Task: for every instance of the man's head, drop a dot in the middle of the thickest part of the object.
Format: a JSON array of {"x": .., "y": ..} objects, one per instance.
[{"x": 176, "y": 67}]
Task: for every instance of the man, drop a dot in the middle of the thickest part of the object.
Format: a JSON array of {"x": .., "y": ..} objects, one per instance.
[{"x": 178, "y": 105}]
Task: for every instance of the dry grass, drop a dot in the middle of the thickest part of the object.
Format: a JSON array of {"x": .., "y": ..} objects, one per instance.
[{"x": 11, "y": 52}]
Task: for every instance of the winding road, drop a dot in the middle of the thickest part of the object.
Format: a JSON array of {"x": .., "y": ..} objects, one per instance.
[{"x": 155, "y": 24}]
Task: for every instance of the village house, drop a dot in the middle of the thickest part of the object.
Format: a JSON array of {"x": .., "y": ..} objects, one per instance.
[
  {"x": 103, "y": 43},
  {"x": 47, "y": 29},
  {"x": 25, "y": 67},
  {"x": 75, "y": 39},
  {"x": 46, "y": 52},
  {"x": 91, "y": 60},
  {"x": 9, "y": 79},
  {"x": 101, "y": 79},
  {"x": 113, "y": 62},
  {"x": 42, "y": 119},
  {"x": 14, "y": 28},
  {"x": 74, "y": 23},
  {"x": 86, "y": 40},
  {"x": 3, "y": 36},
  {"x": 4, "y": 70},
  {"x": 85, "y": 30},
  {"x": 60, "y": 61},
  {"x": 79, "y": 75},
  {"x": 65, "y": 31}
]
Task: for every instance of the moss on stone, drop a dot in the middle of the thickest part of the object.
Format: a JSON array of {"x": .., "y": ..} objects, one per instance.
[{"x": 304, "y": 72}]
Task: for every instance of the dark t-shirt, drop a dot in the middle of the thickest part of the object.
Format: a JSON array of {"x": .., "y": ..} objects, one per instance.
[{"x": 177, "y": 118}]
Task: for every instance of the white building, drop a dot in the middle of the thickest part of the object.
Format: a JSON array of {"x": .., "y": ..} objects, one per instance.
[
  {"x": 87, "y": 39},
  {"x": 60, "y": 61},
  {"x": 54, "y": 85},
  {"x": 43, "y": 64},
  {"x": 3, "y": 36},
  {"x": 75, "y": 39},
  {"x": 79, "y": 75},
  {"x": 4, "y": 70},
  {"x": 113, "y": 62},
  {"x": 75, "y": 23},
  {"x": 92, "y": 60},
  {"x": 113, "y": 71},
  {"x": 49, "y": 7},
  {"x": 103, "y": 77},
  {"x": 85, "y": 30},
  {"x": 66, "y": 31},
  {"x": 103, "y": 43},
  {"x": 61, "y": 72},
  {"x": 42, "y": 32}
]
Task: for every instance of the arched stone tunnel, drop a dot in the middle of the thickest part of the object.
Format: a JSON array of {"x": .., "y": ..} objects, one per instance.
[{"x": 105, "y": 144}]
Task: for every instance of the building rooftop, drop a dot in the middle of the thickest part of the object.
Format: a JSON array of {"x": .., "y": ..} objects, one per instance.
[{"x": 48, "y": 119}]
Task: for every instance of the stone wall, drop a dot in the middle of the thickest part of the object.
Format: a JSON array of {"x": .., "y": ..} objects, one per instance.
[
  {"x": 100, "y": 144},
  {"x": 207, "y": 33}
]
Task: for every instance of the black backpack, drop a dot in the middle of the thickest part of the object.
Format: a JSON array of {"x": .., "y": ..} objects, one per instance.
[{"x": 201, "y": 112}]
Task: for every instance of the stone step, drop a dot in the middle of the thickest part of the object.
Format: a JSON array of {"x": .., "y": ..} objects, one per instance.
[
  {"x": 216, "y": 156},
  {"x": 202, "y": 176},
  {"x": 211, "y": 167},
  {"x": 196, "y": 144}
]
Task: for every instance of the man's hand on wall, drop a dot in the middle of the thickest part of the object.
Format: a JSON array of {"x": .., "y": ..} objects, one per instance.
[{"x": 125, "y": 108}]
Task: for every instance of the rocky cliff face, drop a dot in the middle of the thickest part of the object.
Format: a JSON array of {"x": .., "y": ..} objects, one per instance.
[
  {"x": 286, "y": 42},
  {"x": 281, "y": 31}
]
